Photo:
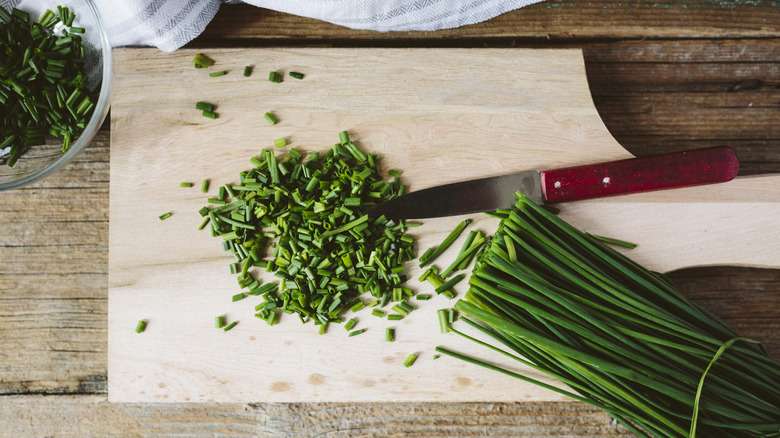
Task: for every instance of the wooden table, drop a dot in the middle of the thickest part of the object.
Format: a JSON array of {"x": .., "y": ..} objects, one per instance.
[{"x": 664, "y": 77}]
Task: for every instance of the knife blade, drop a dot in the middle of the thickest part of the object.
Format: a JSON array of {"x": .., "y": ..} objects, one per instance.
[{"x": 633, "y": 175}]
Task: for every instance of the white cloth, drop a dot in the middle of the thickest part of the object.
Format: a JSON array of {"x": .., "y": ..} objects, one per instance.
[{"x": 170, "y": 24}]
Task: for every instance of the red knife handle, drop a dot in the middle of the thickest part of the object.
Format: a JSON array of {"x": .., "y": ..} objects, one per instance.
[{"x": 703, "y": 166}]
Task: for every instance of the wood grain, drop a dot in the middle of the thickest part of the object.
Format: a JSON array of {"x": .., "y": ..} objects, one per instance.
[
  {"x": 32, "y": 374},
  {"x": 471, "y": 124},
  {"x": 554, "y": 20},
  {"x": 93, "y": 416}
]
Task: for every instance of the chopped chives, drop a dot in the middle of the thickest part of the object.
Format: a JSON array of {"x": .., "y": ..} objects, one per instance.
[
  {"x": 395, "y": 317},
  {"x": 444, "y": 325},
  {"x": 449, "y": 283},
  {"x": 275, "y": 76},
  {"x": 239, "y": 297},
  {"x": 304, "y": 219},
  {"x": 356, "y": 332},
  {"x": 44, "y": 88},
  {"x": 410, "y": 360},
  {"x": 141, "y": 326},
  {"x": 230, "y": 326},
  {"x": 378, "y": 313},
  {"x": 248, "y": 70},
  {"x": 466, "y": 255},
  {"x": 204, "y": 186},
  {"x": 389, "y": 334},
  {"x": 280, "y": 142},
  {"x": 296, "y": 75},
  {"x": 219, "y": 321},
  {"x": 446, "y": 243},
  {"x": 218, "y": 73},
  {"x": 209, "y": 114},
  {"x": 270, "y": 118},
  {"x": 423, "y": 297},
  {"x": 204, "y": 106},
  {"x": 400, "y": 310},
  {"x": 202, "y": 61},
  {"x": 357, "y": 306},
  {"x": 186, "y": 184},
  {"x": 165, "y": 216}
]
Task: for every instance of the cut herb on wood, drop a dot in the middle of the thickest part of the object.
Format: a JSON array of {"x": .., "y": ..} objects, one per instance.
[
  {"x": 43, "y": 83},
  {"x": 622, "y": 338},
  {"x": 202, "y": 61},
  {"x": 303, "y": 222}
]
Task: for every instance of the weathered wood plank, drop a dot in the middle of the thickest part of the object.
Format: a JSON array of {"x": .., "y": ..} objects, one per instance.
[
  {"x": 556, "y": 20},
  {"x": 52, "y": 320},
  {"x": 91, "y": 416}
]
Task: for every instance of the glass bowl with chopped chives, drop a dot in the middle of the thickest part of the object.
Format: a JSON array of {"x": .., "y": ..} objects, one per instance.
[{"x": 55, "y": 85}]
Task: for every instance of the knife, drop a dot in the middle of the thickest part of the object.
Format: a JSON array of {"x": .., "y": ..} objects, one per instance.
[{"x": 683, "y": 169}]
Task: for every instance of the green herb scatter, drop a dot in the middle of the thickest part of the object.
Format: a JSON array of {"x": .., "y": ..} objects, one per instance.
[
  {"x": 43, "y": 82},
  {"x": 301, "y": 219}
]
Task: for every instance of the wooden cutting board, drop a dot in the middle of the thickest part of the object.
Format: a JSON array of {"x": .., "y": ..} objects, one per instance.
[{"x": 438, "y": 115}]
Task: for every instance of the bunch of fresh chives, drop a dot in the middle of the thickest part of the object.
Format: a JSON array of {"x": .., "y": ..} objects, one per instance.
[
  {"x": 620, "y": 336},
  {"x": 303, "y": 221},
  {"x": 43, "y": 84}
]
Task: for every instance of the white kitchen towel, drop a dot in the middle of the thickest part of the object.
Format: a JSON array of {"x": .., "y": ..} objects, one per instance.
[{"x": 170, "y": 24}]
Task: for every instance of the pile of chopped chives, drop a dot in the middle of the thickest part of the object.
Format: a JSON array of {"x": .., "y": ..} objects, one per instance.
[
  {"x": 621, "y": 337},
  {"x": 302, "y": 221},
  {"x": 43, "y": 83}
]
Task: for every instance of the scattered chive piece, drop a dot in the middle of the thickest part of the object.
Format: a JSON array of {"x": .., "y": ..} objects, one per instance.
[
  {"x": 270, "y": 118},
  {"x": 423, "y": 297},
  {"x": 357, "y": 306},
  {"x": 165, "y": 216},
  {"x": 230, "y": 326},
  {"x": 275, "y": 77},
  {"x": 449, "y": 283},
  {"x": 218, "y": 73},
  {"x": 280, "y": 142},
  {"x": 466, "y": 245},
  {"x": 400, "y": 310},
  {"x": 379, "y": 313},
  {"x": 204, "y": 186},
  {"x": 186, "y": 184},
  {"x": 209, "y": 114},
  {"x": 445, "y": 244},
  {"x": 390, "y": 334},
  {"x": 238, "y": 297},
  {"x": 350, "y": 324},
  {"x": 356, "y": 332},
  {"x": 410, "y": 360},
  {"x": 141, "y": 326},
  {"x": 204, "y": 106},
  {"x": 323, "y": 328},
  {"x": 202, "y": 61},
  {"x": 395, "y": 317},
  {"x": 219, "y": 321},
  {"x": 444, "y": 325},
  {"x": 436, "y": 356},
  {"x": 296, "y": 75},
  {"x": 465, "y": 255},
  {"x": 248, "y": 70}
]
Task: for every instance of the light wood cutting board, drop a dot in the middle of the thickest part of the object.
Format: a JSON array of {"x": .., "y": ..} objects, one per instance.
[{"x": 438, "y": 115}]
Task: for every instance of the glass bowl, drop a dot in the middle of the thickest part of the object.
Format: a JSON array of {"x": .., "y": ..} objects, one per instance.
[{"x": 41, "y": 160}]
